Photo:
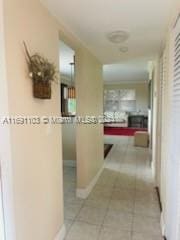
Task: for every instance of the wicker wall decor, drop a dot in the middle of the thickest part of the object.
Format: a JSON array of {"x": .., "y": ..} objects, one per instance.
[
  {"x": 42, "y": 90},
  {"x": 42, "y": 73}
]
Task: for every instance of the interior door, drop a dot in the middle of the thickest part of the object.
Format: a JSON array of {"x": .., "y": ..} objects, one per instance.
[{"x": 174, "y": 160}]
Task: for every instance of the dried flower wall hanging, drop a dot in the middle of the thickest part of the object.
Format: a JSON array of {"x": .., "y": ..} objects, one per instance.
[{"x": 42, "y": 73}]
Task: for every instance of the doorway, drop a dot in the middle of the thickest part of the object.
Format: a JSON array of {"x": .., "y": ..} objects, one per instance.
[{"x": 68, "y": 111}]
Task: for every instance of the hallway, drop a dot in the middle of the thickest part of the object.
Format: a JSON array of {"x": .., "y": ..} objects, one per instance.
[{"x": 122, "y": 206}]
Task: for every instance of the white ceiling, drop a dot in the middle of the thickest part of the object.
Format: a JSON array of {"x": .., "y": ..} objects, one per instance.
[
  {"x": 66, "y": 57},
  {"x": 91, "y": 20},
  {"x": 127, "y": 72}
]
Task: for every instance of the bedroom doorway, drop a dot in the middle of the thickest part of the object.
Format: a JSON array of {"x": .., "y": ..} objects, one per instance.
[{"x": 68, "y": 112}]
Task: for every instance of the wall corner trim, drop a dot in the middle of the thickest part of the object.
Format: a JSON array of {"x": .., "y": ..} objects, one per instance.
[
  {"x": 61, "y": 234},
  {"x": 84, "y": 192},
  {"x": 159, "y": 198},
  {"x": 69, "y": 163},
  {"x": 162, "y": 225}
]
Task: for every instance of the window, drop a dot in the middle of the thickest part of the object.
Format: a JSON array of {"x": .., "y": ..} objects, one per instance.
[
  {"x": 120, "y": 100},
  {"x": 68, "y": 100},
  {"x": 72, "y": 106}
]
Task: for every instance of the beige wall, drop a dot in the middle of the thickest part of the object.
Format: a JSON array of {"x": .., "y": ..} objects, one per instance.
[
  {"x": 37, "y": 150},
  {"x": 89, "y": 138},
  {"x": 36, "y": 154},
  {"x": 141, "y": 93}
]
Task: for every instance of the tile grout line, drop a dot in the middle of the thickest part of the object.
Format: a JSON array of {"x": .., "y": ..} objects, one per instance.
[
  {"x": 135, "y": 173},
  {"x": 106, "y": 212},
  {"x": 132, "y": 229}
]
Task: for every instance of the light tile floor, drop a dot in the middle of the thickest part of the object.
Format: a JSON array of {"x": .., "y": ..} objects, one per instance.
[{"x": 122, "y": 206}]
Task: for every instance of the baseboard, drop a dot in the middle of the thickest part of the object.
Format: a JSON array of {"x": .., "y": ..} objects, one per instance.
[
  {"x": 69, "y": 163},
  {"x": 61, "y": 234},
  {"x": 159, "y": 198},
  {"x": 162, "y": 225},
  {"x": 84, "y": 192}
]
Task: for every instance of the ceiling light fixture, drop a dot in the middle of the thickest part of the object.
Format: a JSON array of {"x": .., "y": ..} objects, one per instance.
[
  {"x": 123, "y": 49},
  {"x": 118, "y": 36}
]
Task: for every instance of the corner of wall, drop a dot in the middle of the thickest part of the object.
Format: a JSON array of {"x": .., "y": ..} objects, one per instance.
[
  {"x": 61, "y": 234},
  {"x": 84, "y": 192}
]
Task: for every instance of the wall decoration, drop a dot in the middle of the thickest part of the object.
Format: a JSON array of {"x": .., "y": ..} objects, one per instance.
[{"x": 42, "y": 73}]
